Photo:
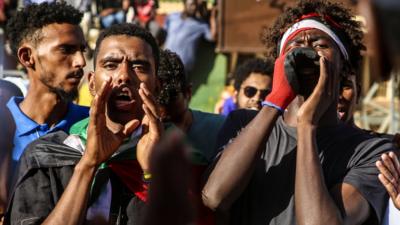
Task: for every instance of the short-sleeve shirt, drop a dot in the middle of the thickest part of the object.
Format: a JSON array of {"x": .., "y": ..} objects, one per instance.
[
  {"x": 202, "y": 135},
  {"x": 183, "y": 36},
  {"x": 347, "y": 155},
  {"x": 28, "y": 130}
]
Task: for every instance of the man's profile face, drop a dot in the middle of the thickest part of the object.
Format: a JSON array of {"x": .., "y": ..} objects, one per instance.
[
  {"x": 325, "y": 46},
  {"x": 128, "y": 61},
  {"x": 253, "y": 91},
  {"x": 59, "y": 59}
]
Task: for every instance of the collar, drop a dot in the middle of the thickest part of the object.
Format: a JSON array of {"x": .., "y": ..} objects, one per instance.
[{"x": 27, "y": 125}]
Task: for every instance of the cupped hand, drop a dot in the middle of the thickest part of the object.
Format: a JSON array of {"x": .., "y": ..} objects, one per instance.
[
  {"x": 152, "y": 128},
  {"x": 102, "y": 142},
  {"x": 323, "y": 96}
]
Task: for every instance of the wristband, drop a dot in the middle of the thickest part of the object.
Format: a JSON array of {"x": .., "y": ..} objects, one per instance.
[
  {"x": 146, "y": 177},
  {"x": 272, "y": 105}
]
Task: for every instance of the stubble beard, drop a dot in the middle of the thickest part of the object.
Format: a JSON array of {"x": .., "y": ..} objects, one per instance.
[{"x": 58, "y": 90}]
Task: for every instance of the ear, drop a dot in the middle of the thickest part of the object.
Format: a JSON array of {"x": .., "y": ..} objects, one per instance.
[
  {"x": 189, "y": 91},
  {"x": 91, "y": 83},
  {"x": 25, "y": 56},
  {"x": 235, "y": 95}
]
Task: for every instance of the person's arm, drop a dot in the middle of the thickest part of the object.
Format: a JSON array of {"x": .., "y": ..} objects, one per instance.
[
  {"x": 235, "y": 166},
  {"x": 314, "y": 204},
  {"x": 101, "y": 144},
  {"x": 234, "y": 169},
  {"x": 389, "y": 168},
  {"x": 152, "y": 129},
  {"x": 213, "y": 24}
]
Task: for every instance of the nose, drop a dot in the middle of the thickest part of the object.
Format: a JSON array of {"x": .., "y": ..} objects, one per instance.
[
  {"x": 125, "y": 74},
  {"x": 257, "y": 96},
  {"x": 79, "y": 60}
]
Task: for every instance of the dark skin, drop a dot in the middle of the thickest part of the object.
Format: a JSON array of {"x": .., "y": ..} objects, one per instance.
[
  {"x": 105, "y": 135},
  {"x": 178, "y": 111},
  {"x": 57, "y": 56},
  {"x": 314, "y": 202}
]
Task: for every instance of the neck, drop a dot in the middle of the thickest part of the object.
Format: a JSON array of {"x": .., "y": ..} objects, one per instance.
[
  {"x": 185, "y": 122},
  {"x": 328, "y": 119},
  {"x": 43, "y": 106}
]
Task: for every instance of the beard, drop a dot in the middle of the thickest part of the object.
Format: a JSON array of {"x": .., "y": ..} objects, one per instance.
[{"x": 65, "y": 96}]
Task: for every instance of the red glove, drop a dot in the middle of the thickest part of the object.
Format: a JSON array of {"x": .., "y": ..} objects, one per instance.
[{"x": 282, "y": 93}]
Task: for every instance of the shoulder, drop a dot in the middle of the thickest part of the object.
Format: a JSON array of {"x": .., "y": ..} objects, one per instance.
[
  {"x": 174, "y": 16},
  {"x": 79, "y": 109},
  {"x": 48, "y": 151},
  {"x": 214, "y": 118},
  {"x": 76, "y": 113},
  {"x": 242, "y": 116}
]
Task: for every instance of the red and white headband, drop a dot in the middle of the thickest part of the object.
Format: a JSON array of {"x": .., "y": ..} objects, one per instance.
[{"x": 312, "y": 24}]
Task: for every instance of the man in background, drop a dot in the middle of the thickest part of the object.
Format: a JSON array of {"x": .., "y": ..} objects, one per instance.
[{"x": 186, "y": 29}]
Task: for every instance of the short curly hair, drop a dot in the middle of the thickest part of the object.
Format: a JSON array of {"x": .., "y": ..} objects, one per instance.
[
  {"x": 349, "y": 32},
  {"x": 131, "y": 30},
  {"x": 172, "y": 77},
  {"x": 256, "y": 65},
  {"x": 27, "y": 23}
]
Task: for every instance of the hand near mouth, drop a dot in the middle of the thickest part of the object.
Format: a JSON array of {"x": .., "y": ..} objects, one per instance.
[
  {"x": 102, "y": 142},
  {"x": 323, "y": 95},
  {"x": 152, "y": 128}
]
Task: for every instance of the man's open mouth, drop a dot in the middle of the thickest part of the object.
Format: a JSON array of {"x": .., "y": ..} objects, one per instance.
[{"x": 123, "y": 99}]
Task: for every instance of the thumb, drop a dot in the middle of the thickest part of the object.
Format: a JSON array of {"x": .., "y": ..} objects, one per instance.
[{"x": 131, "y": 126}]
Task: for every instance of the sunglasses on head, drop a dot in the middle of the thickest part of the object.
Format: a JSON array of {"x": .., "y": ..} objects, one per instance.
[{"x": 250, "y": 91}]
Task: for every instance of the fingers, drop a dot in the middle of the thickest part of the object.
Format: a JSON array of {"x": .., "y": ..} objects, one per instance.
[
  {"x": 385, "y": 171},
  {"x": 149, "y": 103},
  {"x": 130, "y": 127},
  {"x": 391, "y": 189},
  {"x": 389, "y": 175},
  {"x": 395, "y": 161},
  {"x": 98, "y": 106}
]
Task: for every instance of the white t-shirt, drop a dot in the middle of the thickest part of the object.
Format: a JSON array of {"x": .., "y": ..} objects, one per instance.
[{"x": 392, "y": 215}]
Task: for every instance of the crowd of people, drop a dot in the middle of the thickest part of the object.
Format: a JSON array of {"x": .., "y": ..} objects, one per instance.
[{"x": 284, "y": 148}]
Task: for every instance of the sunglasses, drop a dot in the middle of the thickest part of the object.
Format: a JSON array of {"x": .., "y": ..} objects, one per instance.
[{"x": 250, "y": 91}]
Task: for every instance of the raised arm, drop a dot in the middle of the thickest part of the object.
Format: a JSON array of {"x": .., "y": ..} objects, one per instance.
[
  {"x": 213, "y": 23},
  {"x": 101, "y": 144},
  {"x": 232, "y": 172},
  {"x": 314, "y": 204},
  {"x": 235, "y": 166}
]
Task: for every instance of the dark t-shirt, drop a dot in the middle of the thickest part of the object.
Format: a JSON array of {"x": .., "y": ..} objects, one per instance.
[
  {"x": 347, "y": 155},
  {"x": 45, "y": 169}
]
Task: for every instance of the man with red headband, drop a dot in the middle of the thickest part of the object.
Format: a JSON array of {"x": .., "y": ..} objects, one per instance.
[{"x": 294, "y": 162}]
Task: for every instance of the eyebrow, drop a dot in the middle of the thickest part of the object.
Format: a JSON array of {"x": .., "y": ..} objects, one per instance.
[
  {"x": 114, "y": 58},
  {"x": 312, "y": 39},
  {"x": 80, "y": 46}
]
